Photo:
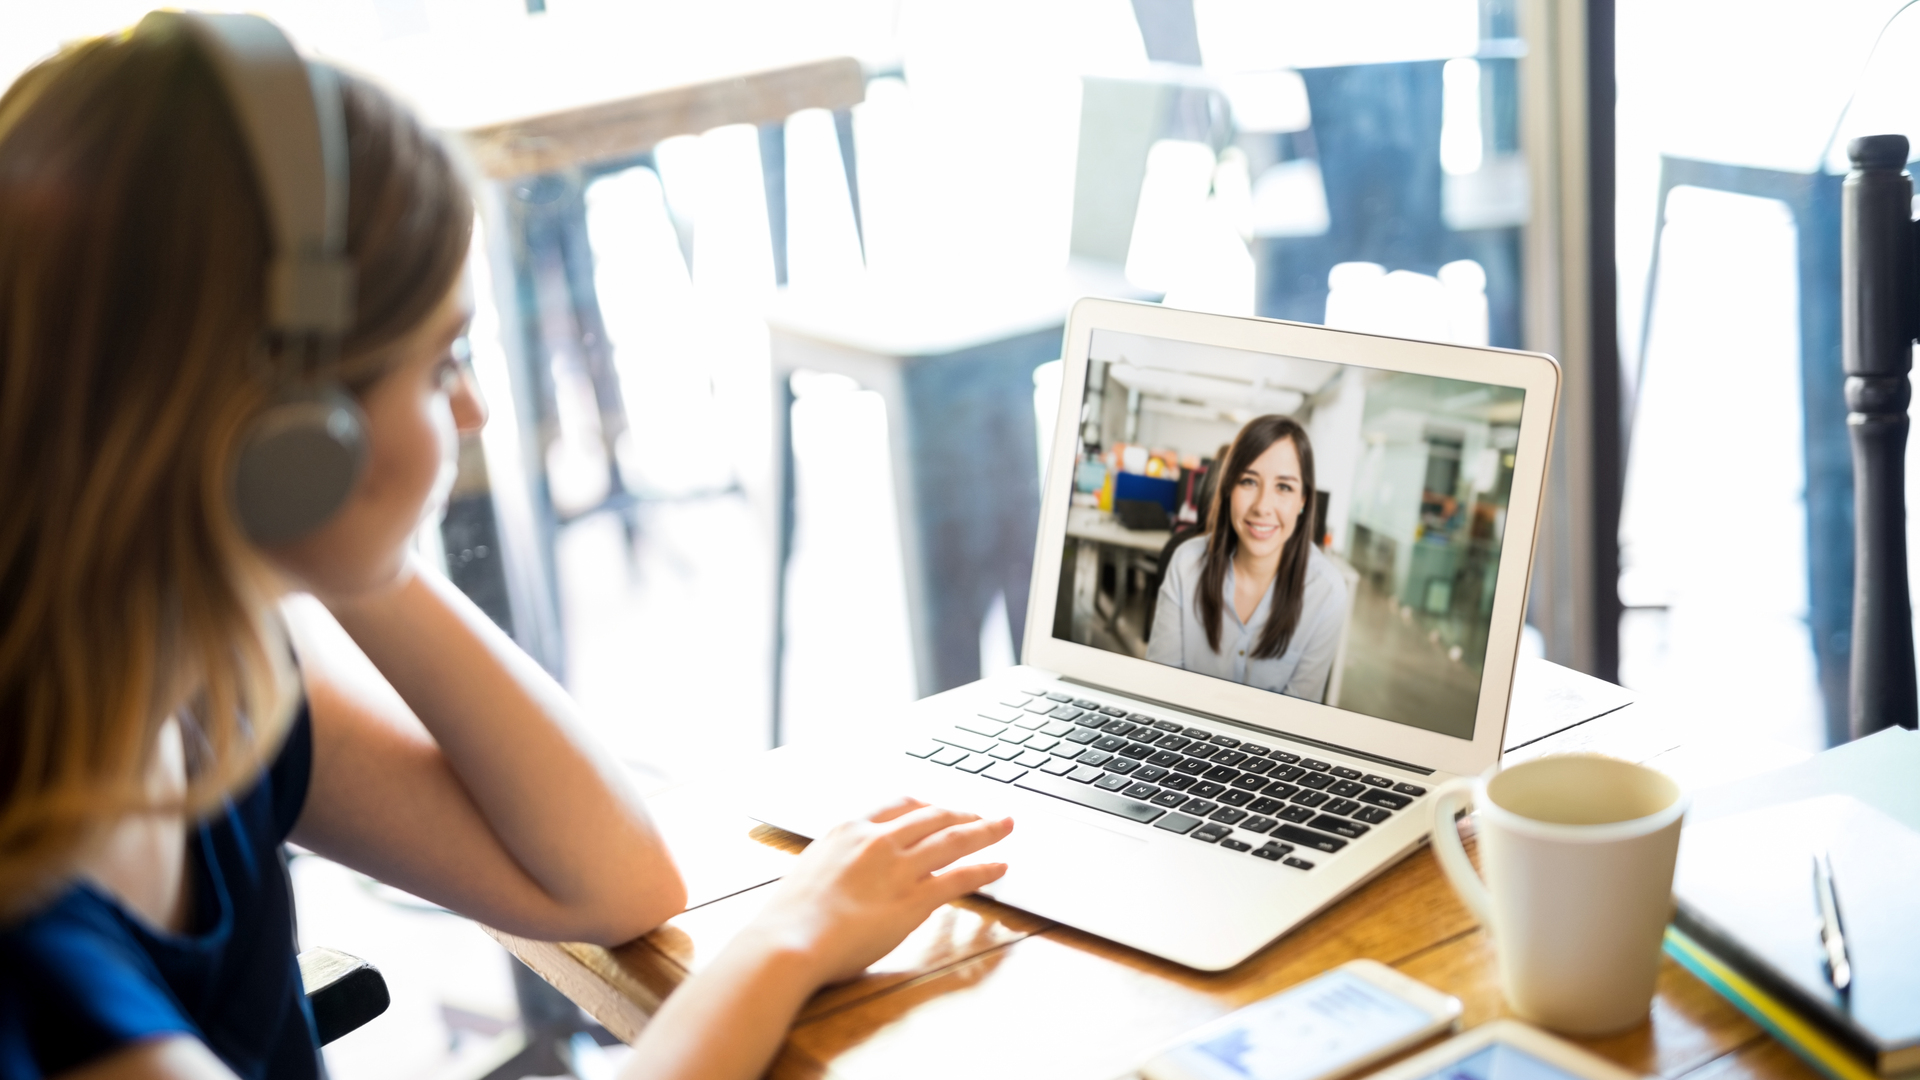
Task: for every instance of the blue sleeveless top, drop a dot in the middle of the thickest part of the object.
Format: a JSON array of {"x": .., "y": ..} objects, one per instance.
[{"x": 82, "y": 978}]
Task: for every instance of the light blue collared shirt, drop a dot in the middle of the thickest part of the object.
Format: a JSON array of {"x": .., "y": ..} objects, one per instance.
[{"x": 1180, "y": 639}]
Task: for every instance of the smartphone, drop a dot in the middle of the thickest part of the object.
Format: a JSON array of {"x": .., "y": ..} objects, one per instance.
[{"x": 1328, "y": 1026}]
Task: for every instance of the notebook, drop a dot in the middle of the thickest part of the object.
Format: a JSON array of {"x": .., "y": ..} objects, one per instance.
[{"x": 1744, "y": 889}]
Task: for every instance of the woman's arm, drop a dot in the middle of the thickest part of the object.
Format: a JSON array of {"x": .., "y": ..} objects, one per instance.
[
  {"x": 1164, "y": 644},
  {"x": 853, "y": 895},
  {"x": 1323, "y": 617},
  {"x": 474, "y": 785}
]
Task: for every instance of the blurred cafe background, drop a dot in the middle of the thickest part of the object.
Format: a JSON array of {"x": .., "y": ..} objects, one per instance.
[{"x": 769, "y": 301}]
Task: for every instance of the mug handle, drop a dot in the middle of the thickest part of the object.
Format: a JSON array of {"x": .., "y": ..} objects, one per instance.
[{"x": 1452, "y": 856}]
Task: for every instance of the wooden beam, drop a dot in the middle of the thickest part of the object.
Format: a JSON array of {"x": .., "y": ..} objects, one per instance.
[{"x": 616, "y": 129}]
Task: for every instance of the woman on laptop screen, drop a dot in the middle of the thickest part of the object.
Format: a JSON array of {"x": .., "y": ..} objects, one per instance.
[{"x": 1253, "y": 599}]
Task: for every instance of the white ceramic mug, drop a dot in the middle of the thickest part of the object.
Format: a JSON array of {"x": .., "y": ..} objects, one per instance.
[{"x": 1578, "y": 851}]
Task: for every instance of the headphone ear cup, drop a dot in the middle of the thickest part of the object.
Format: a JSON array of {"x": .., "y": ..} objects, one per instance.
[{"x": 299, "y": 464}]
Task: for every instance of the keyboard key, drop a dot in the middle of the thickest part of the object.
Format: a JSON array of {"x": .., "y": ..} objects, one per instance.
[
  {"x": 1030, "y": 722},
  {"x": 1250, "y": 782},
  {"x": 1005, "y": 771},
  {"x": 1343, "y": 807},
  {"x": 1387, "y": 799},
  {"x": 1086, "y": 703},
  {"x": 1372, "y": 815},
  {"x": 1042, "y": 743},
  {"x": 1112, "y": 782},
  {"x": 1191, "y": 766},
  {"x": 1040, "y": 706},
  {"x": 1067, "y": 750},
  {"x": 1260, "y": 766},
  {"x": 1347, "y": 789},
  {"x": 1137, "y": 751},
  {"x": 1345, "y": 773},
  {"x": 1297, "y": 864},
  {"x": 1256, "y": 749},
  {"x": 1202, "y": 751},
  {"x": 1228, "y": 758},
  {"x": 1206, "y": 789},
  {"x": 1315, "y": 765},
  {"x": 924, "y": 749},
  {"x": 1265, "y": 805},
  {"x": 1309, "y": 798},
  {"x": 1177, "y": 823},
  {"x": 1119, "y": 727},
  {"x": 1085, "y": 774},
  {"x": 1168, "y": 725},
  {"x": 1199, "y": 807},
  {"x": 1090, "y": 720},
  {"x": 1057, "y": 767},
  {"x": 1289, "y": 773},
  {"x": 1286, "y": 758},
  {"x": 1377, "y": 781},
  {"x": 1410, "y": 789},
  {"x": 1222, "y": 774},
  {"x": 1104, "y": 801},
  {"x": 975, "y": 763},
  {"x": 1338, "y": 826},
  {"x": 1055, "y": 695},
  {"x": 1227, "y": 815},
  {"x": 1004, "y": 752},
  {"x": 948, "y": 756},
  {"x": 1209, "y": 834},
  {"x": 1094, "y": 757},
  {"x": 1227, "y": 741},
  {"x": 1296, "y": 814},
  {"x": 1000, "y": 713},
  {"x": 1113, "y": 710},
  {"x": 1169, "y": 798},
  {"x": 1236, "y": 797},
  {"x": 1316, "y": 781},
  {"x": 1173, "y": 742},
  {"x": 1032, "y": 759},
  {"x": 1176, "y": 781},
  {"x": 1016, "y": 736},
  {"x": 1273, "y": 852},
  {"x": 970, "y": 741},
  {"x": 1065, "y": 712},
  {"x": 1308, "y": 838},
  {"x": 1279, "y": 789},
  {"x": 1258, "y": 824},
  {"x": 1143, "y": 792},
  {"x": 1056, "y": 728},
  {"x": 1196, "y": 734},
  {"x": 1163, "y": 758},
  {"x": 1236, "y": 845},
  {"x": 1109, "y": 743},
  {"x": 1082, "y": 736},
  {"x": 1150, "y": 773},
  {"x": 1121, "y": 765},
  {"x": 1016, "y": 700}
]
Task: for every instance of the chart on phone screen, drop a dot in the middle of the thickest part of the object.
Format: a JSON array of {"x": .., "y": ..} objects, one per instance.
[{"x": 1308, "y": 1032}]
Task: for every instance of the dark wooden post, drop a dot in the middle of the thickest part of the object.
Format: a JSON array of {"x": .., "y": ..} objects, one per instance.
[{"x": 1877, "y": 331}]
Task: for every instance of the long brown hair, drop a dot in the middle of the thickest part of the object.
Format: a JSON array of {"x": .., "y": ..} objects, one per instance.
[
  {"x": 1290, "y": 581},
  {"x": 133, "y": 246}
]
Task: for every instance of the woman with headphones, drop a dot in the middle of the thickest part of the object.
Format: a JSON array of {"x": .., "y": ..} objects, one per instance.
[
  {"x": 230, "y": 288},
  {"x": 1255, "y": 600}
]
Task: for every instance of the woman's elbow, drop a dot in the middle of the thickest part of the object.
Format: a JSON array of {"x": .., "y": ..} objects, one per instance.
[{"x": 636, "y": 911}]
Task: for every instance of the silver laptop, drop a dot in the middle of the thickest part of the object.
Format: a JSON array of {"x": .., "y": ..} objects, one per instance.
[{"x": 1196, "y": 778}]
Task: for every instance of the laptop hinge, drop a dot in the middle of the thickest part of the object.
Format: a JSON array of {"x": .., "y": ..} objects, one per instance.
[{"x": 1244, "y": 726}]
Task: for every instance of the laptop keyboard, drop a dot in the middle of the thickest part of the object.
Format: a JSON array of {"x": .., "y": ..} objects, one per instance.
[{"x": 1212, "y": 787}]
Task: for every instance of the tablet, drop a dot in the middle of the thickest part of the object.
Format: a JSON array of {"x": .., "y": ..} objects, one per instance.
[{"x": 1505, "y": 1050}]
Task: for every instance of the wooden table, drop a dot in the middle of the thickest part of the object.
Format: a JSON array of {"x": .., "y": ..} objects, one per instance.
[{"x": 983, "y": 990}]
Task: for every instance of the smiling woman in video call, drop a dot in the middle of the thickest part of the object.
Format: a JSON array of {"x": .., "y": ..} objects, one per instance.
[
  {"x": 1253, "y": 599},
  {"x": 159, "y": 740}
]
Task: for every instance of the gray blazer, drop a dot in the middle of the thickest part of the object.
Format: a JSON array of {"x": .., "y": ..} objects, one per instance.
[{"x": 1180, "y": 639}]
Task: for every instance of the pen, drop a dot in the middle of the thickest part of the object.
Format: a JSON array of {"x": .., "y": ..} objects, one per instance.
[{"x": 1839, "y": 970}]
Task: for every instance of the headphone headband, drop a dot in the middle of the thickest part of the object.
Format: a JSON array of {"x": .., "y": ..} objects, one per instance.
[{"x": 291, "y": 117}]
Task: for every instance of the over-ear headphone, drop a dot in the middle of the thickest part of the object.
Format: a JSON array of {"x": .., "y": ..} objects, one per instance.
[{"x": 303, "y": 454}]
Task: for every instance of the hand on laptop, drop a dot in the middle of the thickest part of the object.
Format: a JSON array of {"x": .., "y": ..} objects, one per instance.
[{"x": 865, "y": 885}]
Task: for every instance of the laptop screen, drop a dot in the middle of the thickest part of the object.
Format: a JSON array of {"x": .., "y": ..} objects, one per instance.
[{"x": 1325, "y": 531}]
